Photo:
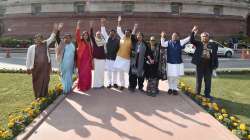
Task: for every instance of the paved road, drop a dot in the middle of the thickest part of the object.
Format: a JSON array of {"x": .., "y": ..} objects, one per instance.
[{"x": 18, "y": 60}]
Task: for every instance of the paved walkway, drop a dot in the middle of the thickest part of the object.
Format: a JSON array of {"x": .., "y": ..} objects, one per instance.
[{"x": 113, "y": 115}]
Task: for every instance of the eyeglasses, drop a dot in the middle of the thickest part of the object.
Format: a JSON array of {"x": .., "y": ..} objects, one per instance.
[
  {"x": 204, "y": 36},
  {"x": 152, "y": 40}
]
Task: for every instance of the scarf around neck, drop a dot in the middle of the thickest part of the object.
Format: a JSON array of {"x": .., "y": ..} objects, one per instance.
[{"x": 100, "y": 42}]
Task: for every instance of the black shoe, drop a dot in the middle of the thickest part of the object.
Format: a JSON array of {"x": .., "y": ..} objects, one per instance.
[
  {"x": 115, "y": 86},
  {"x": 109, "y": 86},
  {"x": 158, "y": 92},
  {"x": 131, "y": 89},
  {"x": 175, "y": 92},
  {"x": 209, "y": 97},
  {"x": 122, "y": 88},
  {"x": 141, "y": 90},
  {"x": 170, "y": 91},
  {"x": 151, "y": 94}
]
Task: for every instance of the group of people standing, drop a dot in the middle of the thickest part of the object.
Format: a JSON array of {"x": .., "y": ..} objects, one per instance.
[{"x": 119, "y": 53}]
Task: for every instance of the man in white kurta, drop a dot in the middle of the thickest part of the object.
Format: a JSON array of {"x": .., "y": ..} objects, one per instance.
[
  {"x": 175, "y": 67},
  {"x": 122, "y": 61}
]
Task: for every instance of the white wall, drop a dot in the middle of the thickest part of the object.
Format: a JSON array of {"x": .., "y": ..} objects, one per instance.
[
  {"x": 18, "y": 9},
  {"x": 235, "y": 11},
  {"x": 93, "y": 7},
  {"x": 189, "y": 6},
  {"x": 203, "y": 9},
  {"x": 144, "y": 7},
  {"x": 57, "y": 7}
]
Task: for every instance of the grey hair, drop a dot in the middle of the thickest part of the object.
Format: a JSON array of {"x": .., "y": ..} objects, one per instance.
[
  {"x": 67, "y": 34},
  {"x": 205, "y": 33}
]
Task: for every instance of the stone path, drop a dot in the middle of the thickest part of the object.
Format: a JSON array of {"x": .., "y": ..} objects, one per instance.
[{"x": 104, "y": 114}]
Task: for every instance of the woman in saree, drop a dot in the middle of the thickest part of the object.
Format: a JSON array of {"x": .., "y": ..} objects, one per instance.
[
  {"x": 65, "y": 56},
  {"x": 84, "y": 59}
]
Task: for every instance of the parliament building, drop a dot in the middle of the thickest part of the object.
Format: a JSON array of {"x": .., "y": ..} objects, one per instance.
[{"x": 24, "y": 18}]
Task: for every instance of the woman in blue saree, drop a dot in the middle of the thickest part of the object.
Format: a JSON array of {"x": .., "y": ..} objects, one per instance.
[{"x": 65, "y": 56}]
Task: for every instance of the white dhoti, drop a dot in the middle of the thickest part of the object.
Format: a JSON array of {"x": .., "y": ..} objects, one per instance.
[
  {"x": 174, "y": 71},
  {"x": 98, "y": 80},
  {"x": 122, "y": 66},
  {"x": 112, "y": 73}
]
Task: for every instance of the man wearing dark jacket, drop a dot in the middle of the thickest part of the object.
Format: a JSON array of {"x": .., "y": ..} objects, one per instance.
[
  {"x": 206, "y": 60},
  {"x": 112, "y": 47}
]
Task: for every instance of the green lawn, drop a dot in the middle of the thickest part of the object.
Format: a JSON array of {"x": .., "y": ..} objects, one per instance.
[
  {"x": 230, "y": 91},
  {"x": 16, "y": 93}
]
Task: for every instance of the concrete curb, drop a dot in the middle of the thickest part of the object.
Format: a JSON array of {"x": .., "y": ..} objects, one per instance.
[
  {"x": 221, "y": 128},
  {"x": 221, "y": 69},
  {"x": 29, "y": 130}
]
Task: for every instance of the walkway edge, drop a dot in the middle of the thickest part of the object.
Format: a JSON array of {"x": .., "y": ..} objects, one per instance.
[
  {"x": 30, "y": 129},
  {"x": 221, "y": 128}
]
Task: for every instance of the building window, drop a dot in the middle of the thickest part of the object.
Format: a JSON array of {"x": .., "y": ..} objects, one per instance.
[
  {"x": 218, "y": 10},
  {"x": 2, "y": 11},
  {"x": 36, "y": 8},
  {"x": 128, "y": 7},
  {"x": 176, "y": 8},
  {"x": 79, "y": 7}
]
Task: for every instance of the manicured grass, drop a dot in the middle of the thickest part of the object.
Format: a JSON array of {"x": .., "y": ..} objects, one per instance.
[
  {"x": 231, "y": 92},
  {"x": 16, "y": 93}
]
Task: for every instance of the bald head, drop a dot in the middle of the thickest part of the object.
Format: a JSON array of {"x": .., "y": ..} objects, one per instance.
[{"x": 152, "y": 41}]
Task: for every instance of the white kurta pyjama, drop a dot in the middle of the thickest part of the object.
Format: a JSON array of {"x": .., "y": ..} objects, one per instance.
[
  {"x": 122, "y": 64},
  {"x": 175, "y": 70},
  {"x": 99, "y": 73}
]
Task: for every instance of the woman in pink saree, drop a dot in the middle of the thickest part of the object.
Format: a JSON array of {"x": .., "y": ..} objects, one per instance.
[{"x": 84, "y": 59}]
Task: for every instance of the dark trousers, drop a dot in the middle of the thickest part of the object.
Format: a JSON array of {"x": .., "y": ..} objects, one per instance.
[
  {"x": 134, "y": 80},
  {"x": 204, "y": 70}
]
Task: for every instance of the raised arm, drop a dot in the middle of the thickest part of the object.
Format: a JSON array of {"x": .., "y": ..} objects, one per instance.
[
  {"x": 58, "y": 42},
  {"x": 119, "y": 29},
  {"x": 103, "y": 30},
  {"x": 185, "y": 41},
  {"x": 92, "y": 35},
  {"x": 194, "y": 32},
  {"x": 78, "y": 34},
  {"x": 58, "y": 39},
  {"x": 52, "y": 36},
  {"x": 164, "y": 42},
  {"x": 134, "y": 29}
]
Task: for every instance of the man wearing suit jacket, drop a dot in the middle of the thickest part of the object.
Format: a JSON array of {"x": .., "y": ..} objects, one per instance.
[{"x": 206, "y": 60}]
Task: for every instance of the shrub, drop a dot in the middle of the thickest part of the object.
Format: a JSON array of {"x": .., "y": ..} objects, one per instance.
[
  {"x": 238, "y": 128},
  {"x": 12, "y": 42}
]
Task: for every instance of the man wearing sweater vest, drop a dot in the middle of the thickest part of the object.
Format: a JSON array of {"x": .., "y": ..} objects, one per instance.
[
  {"x": 175, "y": 66},
  {"x": 122, "y": 61}
]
